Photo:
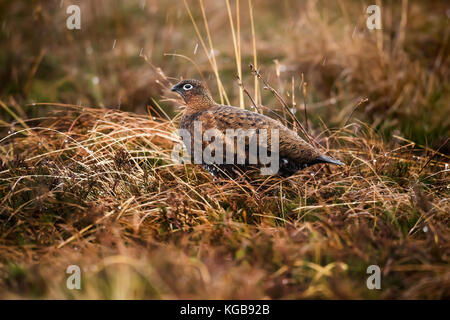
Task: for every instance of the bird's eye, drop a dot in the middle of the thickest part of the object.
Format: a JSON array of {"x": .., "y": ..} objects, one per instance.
[{"x": 187, "y": 86}]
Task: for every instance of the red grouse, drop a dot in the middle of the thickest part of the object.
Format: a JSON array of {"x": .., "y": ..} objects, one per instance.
[{"x": 293, "y": 153}]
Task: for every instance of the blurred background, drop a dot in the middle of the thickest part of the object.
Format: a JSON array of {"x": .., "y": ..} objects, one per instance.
[{"x": 402, "y": 69}]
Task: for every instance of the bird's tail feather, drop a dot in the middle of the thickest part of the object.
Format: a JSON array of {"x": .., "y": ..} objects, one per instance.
[{"x": 330, "y": 160}]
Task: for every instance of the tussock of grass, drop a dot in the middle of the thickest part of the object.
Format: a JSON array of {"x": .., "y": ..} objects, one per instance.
[{"x": 98, "y": 188}]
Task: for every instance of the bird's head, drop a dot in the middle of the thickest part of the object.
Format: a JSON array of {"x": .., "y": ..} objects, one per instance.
[{"x": 193, "y": 92}]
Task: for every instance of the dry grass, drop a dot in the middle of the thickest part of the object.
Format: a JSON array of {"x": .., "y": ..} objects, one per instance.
[{"x": 96, "y": 186}]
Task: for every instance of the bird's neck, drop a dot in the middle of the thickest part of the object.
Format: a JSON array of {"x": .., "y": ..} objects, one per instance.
[{"x": 199, "y": 103}]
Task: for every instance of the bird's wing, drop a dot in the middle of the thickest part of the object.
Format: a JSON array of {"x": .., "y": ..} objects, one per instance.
[{"x": 290, "y": 144}]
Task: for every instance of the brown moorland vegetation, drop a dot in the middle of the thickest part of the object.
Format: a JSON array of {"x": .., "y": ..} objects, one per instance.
[{"x": 87, "y": 131}]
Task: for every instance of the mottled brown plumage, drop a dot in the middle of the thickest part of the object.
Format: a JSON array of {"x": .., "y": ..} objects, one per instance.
[{"x": 294, "y": 152}]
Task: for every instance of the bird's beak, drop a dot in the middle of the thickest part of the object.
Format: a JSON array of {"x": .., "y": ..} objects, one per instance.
[{"x": 174, "y": 89}]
